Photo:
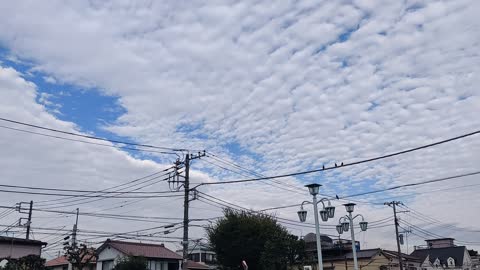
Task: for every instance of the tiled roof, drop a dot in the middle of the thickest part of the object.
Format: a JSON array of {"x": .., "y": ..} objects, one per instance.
[
  {"x": 370, "y": 253},
  {"x": 21, "y": 241},
  {"x": 394, "y": 254},
  {"x": 62, "y": 260},
  {"x": 442, "y": 254},
  {"x": 141, "y": 249},
  {"x": 311, "y": 237},
  {"x": 361, "y": 254},
  {"x": 196, "y": 265},
  {"x": 57, "y": 261}
]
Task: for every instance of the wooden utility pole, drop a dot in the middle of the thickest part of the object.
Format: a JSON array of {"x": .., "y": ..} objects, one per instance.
[
  {"x": 29, "y": 219},
  {"x": 394, "y": 204},
  {"x": 186, "y": 202},
  {"x": 74, "y": 232}
]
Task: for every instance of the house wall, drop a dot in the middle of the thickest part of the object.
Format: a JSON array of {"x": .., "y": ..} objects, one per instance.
[
  {"x": 368, "y": 264},
  {"x": 57, "y": 267},
  {"x": 379, "y": 262},
  {"x": 467, "y": 264},
  {"x": 108, "y": 254},
  {"x": 440, "y": 243},
  {"x": 112, "y": 254},
  {"x": 17, "y": 251},
  {"x": 467, "y": 261}
]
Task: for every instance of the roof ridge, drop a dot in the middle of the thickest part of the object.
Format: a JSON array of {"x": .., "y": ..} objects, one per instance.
[
  {"x": 137, "y": 243},
  {"x": 422, "y": 249}
]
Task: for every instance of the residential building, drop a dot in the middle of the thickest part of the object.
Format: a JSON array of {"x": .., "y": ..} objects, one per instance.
[
  {"x": 443, "y": 254},
  {"x": 158, "y": 256},
  {"x": 371, "y": 259},
  {"x": 337, "y": 255},
  {"x": 201, "y": 253},
  {"x": 61, "y": 263},
  {"x": 11, "y": 247},
  {"x": 475, "y": 259},
  {"x": 330, "y": 247}
]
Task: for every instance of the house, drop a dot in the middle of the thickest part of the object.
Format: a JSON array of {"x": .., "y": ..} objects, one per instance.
[
  {"x": 61, "y": 263},
  {"x": 475, "y": 259},
  {"x": 158, "y": 256},
  {"x": 330, "y": 247},
  {"x": 443, "y": 254},
  {"x": 372, "y": 259},
  {"x": 202, "y": 254},
  {"x": 15, "y": 248}
]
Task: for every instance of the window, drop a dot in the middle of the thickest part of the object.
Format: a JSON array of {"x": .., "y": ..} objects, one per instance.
[
  {"x": 156, "y": 265},
  {"x": 436, "y": 263},
  {"x": 195, "y": 257},
  {"x": 107, "y": 265},
  {"x": 209, "y": 258},
  {"x": 451, "y": 262}
]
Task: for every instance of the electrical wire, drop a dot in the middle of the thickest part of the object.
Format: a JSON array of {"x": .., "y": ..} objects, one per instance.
[
  {"x": 85, "y": 191},
  {"x": 236, "y": 172},
  {"x": 413, "y": 184},
  {"x": 87, "y": 142},
  {"x": 112, "y": 216},
  {"x": 131, "y": 184},
  {"x": 251, "y": 172},
  {"x": 88, "y": 196},
  {"x": 344, "y": 165},
  {"x": 434, "y": 235},
  {"x": 93, "y": 137}
]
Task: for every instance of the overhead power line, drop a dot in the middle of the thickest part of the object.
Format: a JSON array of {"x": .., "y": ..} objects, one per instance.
[
  {"x": 278, "y": 185},
  {"x": 88, "y": 196},
  {"x": 381, "y": 190},
  {"x": 87, "y": 191},
  {"x": 87, "y": 142},
  {"x": 121, "y": 187},
  {"x": 343, "y": 165},
  {"x": 94, "y": 137},
  {"x": 296, "y": 189},
  {"x": 413, "y": 184}
]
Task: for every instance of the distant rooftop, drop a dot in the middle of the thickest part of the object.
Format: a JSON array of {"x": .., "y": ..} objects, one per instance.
[{"x": 21, "y": 241}]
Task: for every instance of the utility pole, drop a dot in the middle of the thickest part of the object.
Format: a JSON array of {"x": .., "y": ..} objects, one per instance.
[
  {"x": 186, "y": 202},
  {"x": 29, "y": 219},
  {"x": 394, "y": 204},
  {"x": 406, "y": 233},
  {"x": 20, "y": 209},
  {"x": 74, "y": 238},
  {"x": 74, "y": 231}
]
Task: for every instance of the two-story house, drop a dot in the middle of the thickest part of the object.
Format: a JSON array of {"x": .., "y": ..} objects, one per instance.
[{"x": 443, "y": 254}]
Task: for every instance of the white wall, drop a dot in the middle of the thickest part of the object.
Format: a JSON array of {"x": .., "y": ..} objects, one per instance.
[
  {"x": 17, "y": 251},
  {"x": 467, "y": 260},
  {"x": 108, "y": 254}
]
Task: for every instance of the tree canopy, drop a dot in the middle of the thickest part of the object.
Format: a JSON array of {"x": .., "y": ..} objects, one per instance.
[
  {"x": 256, "y": 238},
  {"x": 132, "y": 263},
  {"x": 79, "y": 256},
  {"x": 30, "y": 262}
]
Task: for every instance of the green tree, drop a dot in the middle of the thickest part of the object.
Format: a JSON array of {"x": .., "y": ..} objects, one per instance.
[
  {"x": 255, "y": 238},
  {"x": 79, "y": 256},
  {"x": 30, "y": 262},
  {"x": 132, "y": 263}
]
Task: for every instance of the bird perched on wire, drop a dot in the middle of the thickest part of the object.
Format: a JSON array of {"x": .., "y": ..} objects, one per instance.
[
  {"x": 335, "y": 165},
  {"x": 341, "y": 164},
  {"x": 323, "y": 167}
]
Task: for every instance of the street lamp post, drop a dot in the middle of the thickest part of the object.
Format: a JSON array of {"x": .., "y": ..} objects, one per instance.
[
  {"x": 348, "y": 222},
  {"x": 325, "y": 214}
]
